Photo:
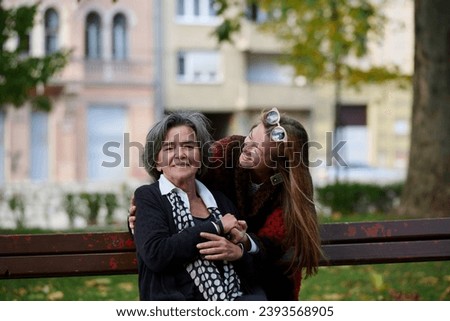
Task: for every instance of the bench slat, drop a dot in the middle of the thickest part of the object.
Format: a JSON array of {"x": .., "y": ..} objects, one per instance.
[
  {"x": 42, "y": 244},
  {"x": 403, "y": 230},
  {"x": 67, "y": 265},
  {"x": 391, "y": 252},
  {"x": 102, "y": 253}
]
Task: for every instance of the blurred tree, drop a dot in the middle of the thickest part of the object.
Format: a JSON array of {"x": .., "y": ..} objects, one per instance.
[
  {"x": 427, "y": 189},
  {"x": 322, "y": 38},
  {"x": 22, "y": 76}
]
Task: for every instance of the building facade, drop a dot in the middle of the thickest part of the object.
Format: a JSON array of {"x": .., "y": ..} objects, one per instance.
[
  {"x": 103, "y": 105},
  {"x": 103, "y": 101},
  {"x": 133, "y": 60}
]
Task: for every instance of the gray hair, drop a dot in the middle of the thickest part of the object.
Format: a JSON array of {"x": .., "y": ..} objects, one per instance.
[{"x": 155, "y": 138}]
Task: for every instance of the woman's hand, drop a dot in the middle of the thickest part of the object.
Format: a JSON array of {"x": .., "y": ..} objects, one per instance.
[
  {"x": 218, "y": 248},
  {"x": 132, "y": 215},
  {"x": 229, "y": 222},
  {"x": 238, "y": 234}
]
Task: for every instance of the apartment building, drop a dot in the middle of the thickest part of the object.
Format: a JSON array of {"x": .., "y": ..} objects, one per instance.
[{"x": 103, "y": 101}]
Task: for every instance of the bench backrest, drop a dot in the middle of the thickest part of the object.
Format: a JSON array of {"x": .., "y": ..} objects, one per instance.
[
  {"x": 77, "y": 254},
  {"x": 386, "y": 242}
]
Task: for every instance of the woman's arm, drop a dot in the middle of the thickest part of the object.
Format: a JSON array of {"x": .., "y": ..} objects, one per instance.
[{"x": 157, "y": 241}]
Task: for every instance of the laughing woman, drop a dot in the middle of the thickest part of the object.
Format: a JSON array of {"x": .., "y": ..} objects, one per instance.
[{"x": 173, "y": 212}]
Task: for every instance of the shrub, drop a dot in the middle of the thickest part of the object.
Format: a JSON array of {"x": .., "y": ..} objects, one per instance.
[
  {"x": 71, "y": 206},
  {"x": 348, "y": 198},
  {"x": 93, "y": 202},
  {"x": 111, "y": 205}
]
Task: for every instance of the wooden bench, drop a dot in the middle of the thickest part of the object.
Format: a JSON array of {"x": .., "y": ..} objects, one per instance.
[{"x": 57, "y": 255}]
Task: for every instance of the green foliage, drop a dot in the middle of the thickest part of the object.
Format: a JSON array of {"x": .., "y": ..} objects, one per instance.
[
  {"x": 21, "y": 74},
  {"x": 71, "y": 207},
  {"x": 16, "y": 204},
  {"x": 93, "y": 202},
  {"x": 321, "y": 37},
  {"x": 111, "y": 204},
  {"x": 88, "y": 206},
  {"x": 348, "y": 198}
]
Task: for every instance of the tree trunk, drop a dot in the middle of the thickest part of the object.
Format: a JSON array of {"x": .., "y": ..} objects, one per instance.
[{"x": 427, "y": 188}]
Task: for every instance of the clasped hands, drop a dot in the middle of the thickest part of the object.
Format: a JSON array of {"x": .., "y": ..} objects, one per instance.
[
  {"x": 226, "y": 247},
  {"x": 215, "y": 247}
]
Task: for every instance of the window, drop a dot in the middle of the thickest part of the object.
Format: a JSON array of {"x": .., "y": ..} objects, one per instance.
[
  {"x": 93, "y": 36},
  {"x": 196, "y": 11},
  {"x": 352, "y": 121},
  {"x": 106, "y": 128},
  {"x": 120, "y": 38},
  {"x": 265, "y": 69},
  {"x": 180, "y": 8},
  {"x": 51, "y": 31},
  {"x": 2, "y": 147},
  {"x": 198, "y": 67},
  {"x": 255, "y": 14},
  {"x": 355, "y": 151},
  {"x": 39, "y": 162}
]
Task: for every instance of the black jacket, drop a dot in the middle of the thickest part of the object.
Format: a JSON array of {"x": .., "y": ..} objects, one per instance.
[{"x": 162, "y": 252}]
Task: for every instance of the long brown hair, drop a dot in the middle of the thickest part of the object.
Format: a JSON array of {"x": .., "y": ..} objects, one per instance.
[{"x": 299, "y": 211}]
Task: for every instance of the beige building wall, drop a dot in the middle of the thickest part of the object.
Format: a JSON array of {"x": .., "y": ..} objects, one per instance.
[{"x": 125, "y": 84}]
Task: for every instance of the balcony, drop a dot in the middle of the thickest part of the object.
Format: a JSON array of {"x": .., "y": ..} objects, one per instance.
[{"x": 104, "y": 72}]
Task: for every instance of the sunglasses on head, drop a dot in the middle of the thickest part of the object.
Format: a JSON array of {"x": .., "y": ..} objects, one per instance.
[{"x": 278, "y": 133}]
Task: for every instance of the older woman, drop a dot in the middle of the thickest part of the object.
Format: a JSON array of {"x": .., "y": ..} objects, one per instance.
[{"x": 174, "y": 211}]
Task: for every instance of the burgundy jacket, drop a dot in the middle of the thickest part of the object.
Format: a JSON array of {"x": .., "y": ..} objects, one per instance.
[{"x": 262, "y": 212}]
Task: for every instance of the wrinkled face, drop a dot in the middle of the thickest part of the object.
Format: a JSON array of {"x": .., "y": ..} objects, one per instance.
[
  {"x": 256, "y": 151},
  {"x": 180, "y": 156}
]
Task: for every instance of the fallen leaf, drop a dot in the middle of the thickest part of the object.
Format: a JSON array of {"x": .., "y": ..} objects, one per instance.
[
  {"x": 22, "y": 291},
  {"x": 97, "y": 282},
  {"x": 445, "y": 295},
  {"x": 401, "y": 296},
  {"x": 377, "y": 281},
  {"x": 126, "y": 286},
  {"x": 58, "y": 295},
  {"x": 333, "y": 296},
  {"x": 429, "y": 280}
]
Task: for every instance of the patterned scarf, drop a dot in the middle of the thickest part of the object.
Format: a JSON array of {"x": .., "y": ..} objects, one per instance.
[{"x": 212, "y": 284}]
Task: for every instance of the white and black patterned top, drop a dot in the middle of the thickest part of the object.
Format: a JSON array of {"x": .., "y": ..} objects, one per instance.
[{"x": 169, "y": 263}]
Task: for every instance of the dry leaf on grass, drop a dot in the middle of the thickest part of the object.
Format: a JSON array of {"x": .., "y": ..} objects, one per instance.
[
  {"x": 126, "y": 286},
  {"x": 58, "y": 295},
  {"x": 98, "y": 282}
]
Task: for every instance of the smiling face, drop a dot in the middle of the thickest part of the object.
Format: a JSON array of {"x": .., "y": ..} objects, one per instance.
[
  {"x": 256, "y": 151},
  {"x": 179, "y": 158}
]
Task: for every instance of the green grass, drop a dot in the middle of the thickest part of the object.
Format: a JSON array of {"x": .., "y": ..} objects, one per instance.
[
  {"x": 429, "y": 281},
  {"x": 116, "y": 287}
]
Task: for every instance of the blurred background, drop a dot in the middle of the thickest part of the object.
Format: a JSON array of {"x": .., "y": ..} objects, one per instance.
[{"x": 76, "y": 163}]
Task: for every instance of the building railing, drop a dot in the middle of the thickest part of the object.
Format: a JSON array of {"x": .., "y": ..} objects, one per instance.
[{"x": 101, "y": 71}]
